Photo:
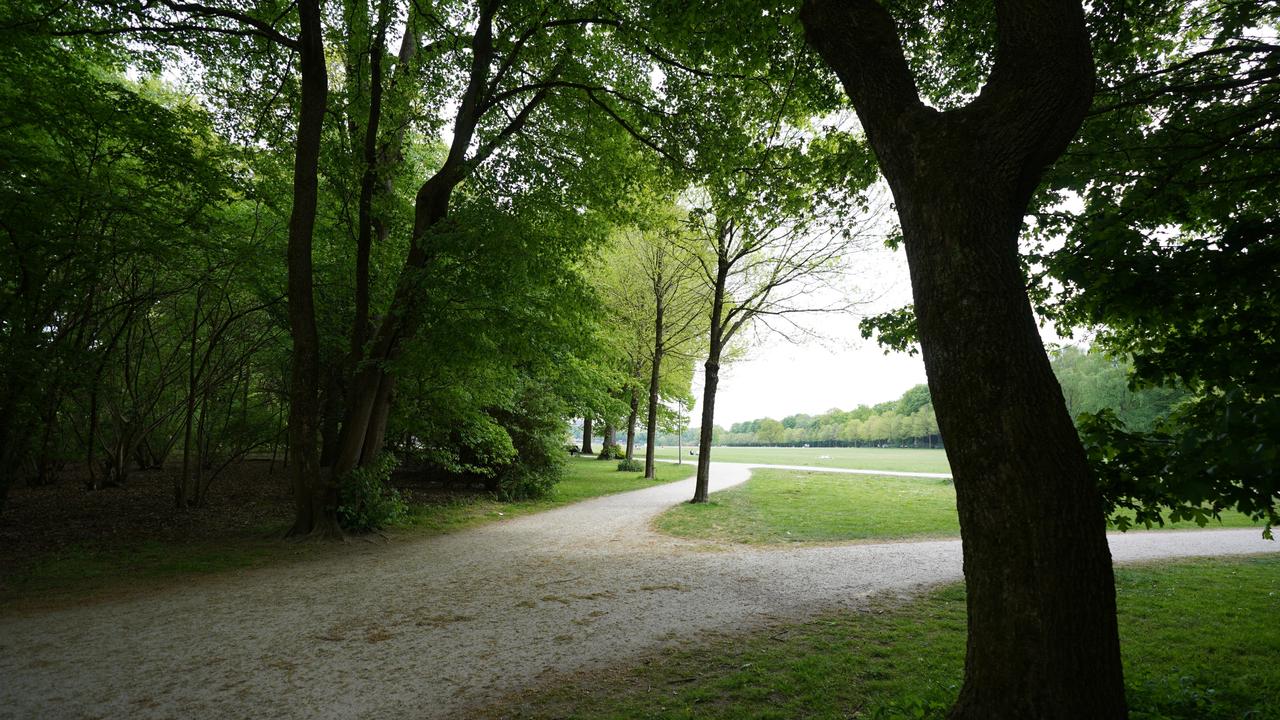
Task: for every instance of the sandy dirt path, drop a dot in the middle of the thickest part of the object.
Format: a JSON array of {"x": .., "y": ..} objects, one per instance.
[{"x": 425, "y": 629}]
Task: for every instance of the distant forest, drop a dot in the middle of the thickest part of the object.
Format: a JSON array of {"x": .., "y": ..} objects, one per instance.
[{"x": 1091, "y": 382}]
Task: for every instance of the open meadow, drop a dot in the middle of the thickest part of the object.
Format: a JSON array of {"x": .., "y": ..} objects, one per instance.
[
  {"x": 794, "y": 506},
  {"x": 896, "y": 459}
]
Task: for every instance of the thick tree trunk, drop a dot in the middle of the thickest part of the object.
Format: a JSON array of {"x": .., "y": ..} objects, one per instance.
[
  {"x": 632, "y": 417},
  {"x": 608, "y": 438},
  {"x": 315, "y": 493},
  {"x": 1041, "y": 597},
  {"x": 1042, "y": 639},
  {"x": 586, "y": 436},
  {"x": 376, "y": 436}
]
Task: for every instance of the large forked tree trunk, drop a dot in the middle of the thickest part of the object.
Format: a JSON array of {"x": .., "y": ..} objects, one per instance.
[
  {"x": 369, "y": 400},
  {"x": 369, "y": 405},
  {"x": 1042, "y": 639},
  {"x": 315, "y": 493}
]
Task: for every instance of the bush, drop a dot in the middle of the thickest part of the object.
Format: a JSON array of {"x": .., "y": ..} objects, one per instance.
[
  {"x": 366, "y": 500},
  {"x": 535, "y": 425},
  {"x": 630, "y": 466},
  {"x": 611, "y": 452}
]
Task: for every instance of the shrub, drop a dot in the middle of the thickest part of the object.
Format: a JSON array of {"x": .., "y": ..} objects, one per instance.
[
  {"x": 534, "y": 424},
  {"x": 630, "y": 466},
  {"x": 611, "y": 452},
  {"x": 366, "y": 500}
]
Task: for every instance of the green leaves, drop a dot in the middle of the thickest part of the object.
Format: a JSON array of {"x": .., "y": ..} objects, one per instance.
[
  {"x": 1173, "y": 255},
  {"x": 895, "y": 330}
]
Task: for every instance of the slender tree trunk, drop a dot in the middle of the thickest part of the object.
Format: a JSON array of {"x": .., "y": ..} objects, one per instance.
[
  {"x": 9, "y": 455},
  {"x": 651, "y": 416},
  {"x": 586, "y": 435},
  {"x": 90, "y": 459},
  {"x": 331, "y": 413},
  {"x": 1042, "y": 640},
  {"x": 315, "y": 493},
  {"x": 711, "y": 379},
  {"x": 631, "y": 424},
  {"x": 180, "y": 485},
  {"x": 368, "y": 184},
  {"x": 369, "y": 405},
  {"x": 45, "y": 461}
]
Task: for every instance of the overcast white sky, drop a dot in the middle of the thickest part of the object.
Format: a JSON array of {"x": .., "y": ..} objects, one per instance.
[
  {"x": 840, "y": 370},
  {"x": 778, "y": 378}
]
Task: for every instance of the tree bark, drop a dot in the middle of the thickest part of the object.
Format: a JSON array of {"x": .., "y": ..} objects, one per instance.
[
  {"x": 631, "y": 424},
  {"x": 369, "y": 399},
  {"x": 586, "y": 435},
  {"x": 711, "y": 378},
  {"x": 1042, "y": 639},
  {"x": 9, "y": 455},
  {"x": 331, "y": 413},
  {"x": 368, "y": 184},
  {"x": 315, "y": 493},
  {"x": 607, "y": 438},
  {"x": 651, "y": 416},
  {"x": 369, "y": 405},
  {"x": 180, "y": 485}
]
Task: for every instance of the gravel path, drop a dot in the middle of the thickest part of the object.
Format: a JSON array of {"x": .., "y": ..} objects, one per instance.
[{"x": 424, "y": 629}]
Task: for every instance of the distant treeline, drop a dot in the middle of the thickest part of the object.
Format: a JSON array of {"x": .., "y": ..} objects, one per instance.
[{"x": 1091, "y": 381}]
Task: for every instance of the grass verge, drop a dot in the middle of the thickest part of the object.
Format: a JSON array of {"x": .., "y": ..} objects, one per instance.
[
  {"x": 785, "y": 506},
  {"x": 793, "y": 506},
  {"x": 892, "y": 459},
  {"x": 1199, "y": 641},
  {"x": 104, "y": 567}
]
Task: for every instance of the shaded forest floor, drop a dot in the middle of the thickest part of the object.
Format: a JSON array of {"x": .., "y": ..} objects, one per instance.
[
  {"x": 63, "y": 544},
  {"x": 62, "y": 538}
]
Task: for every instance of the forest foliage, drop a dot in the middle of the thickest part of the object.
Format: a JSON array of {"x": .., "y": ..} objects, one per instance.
[{"x": 148, "y": 161}]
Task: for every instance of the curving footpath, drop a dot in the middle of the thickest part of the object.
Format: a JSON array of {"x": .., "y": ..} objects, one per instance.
[{"x": 428, "y": 628}]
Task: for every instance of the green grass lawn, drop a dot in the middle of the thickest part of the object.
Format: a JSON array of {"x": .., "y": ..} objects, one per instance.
[
  {"x": 789, "y": 506},
  {"x": 1199, "y": 640},
  {"x": 897, "y": 459},
  {"x": 103, "y": 568},
  {"x": 782, "y": 506}
]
